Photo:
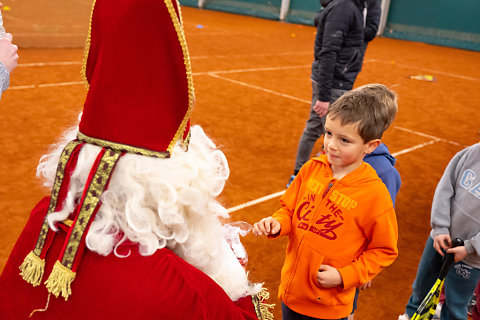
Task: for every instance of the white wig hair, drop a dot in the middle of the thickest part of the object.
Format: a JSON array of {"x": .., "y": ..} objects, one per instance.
[{"x": 159, "y": 203}]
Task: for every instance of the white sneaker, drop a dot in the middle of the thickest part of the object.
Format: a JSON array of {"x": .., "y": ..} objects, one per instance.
[{"x": 404, "y": 317}]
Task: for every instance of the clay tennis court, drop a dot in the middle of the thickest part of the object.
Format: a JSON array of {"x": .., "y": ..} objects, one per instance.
[{"x": 253, "y": 93}]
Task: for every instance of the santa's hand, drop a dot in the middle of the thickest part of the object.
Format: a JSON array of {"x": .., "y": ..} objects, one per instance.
[
  {"x": 328, "y": 276},
  {"x": 266, "y": 226},
  {"x": 8, "y": 53}
]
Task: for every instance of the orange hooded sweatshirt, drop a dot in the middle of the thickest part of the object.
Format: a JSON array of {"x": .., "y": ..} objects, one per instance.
[{"x": 349, "y": 224}]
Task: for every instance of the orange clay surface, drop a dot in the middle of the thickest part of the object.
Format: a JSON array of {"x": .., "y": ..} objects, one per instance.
[{"x": 253, "y": 93}]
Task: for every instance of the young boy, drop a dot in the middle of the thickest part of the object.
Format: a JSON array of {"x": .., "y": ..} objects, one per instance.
[
  {"x": 337, "y": 213},
  {"x": 455, "y": 214}
]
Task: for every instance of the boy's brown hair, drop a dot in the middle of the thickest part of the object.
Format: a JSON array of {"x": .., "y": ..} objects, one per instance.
[{"x": 373, "y": 107}]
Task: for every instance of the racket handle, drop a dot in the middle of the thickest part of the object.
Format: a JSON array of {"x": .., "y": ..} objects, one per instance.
[{"x": 449, "y": 259}]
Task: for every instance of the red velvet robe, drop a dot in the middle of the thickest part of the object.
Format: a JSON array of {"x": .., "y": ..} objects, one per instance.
[{"x": 160, "y": 286}]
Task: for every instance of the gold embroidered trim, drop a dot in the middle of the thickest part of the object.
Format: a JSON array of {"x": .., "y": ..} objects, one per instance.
[
  {"x": 87, "y": 49},
  {"x": 62, "y": 163},
  {"x": 122, "y": 147},
  {"x": 186, "y": 60},
  {"x": 90, "y": 203},
  {"x": 262, "y": 308}
]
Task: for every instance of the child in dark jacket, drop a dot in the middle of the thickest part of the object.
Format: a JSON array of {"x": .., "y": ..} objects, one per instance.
[{"x": 338, "y": 58}]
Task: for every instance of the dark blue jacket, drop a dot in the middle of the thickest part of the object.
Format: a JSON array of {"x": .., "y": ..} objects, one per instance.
[
  {"x": 383, "y": 162},
  {"x": 338, "y": 52}
]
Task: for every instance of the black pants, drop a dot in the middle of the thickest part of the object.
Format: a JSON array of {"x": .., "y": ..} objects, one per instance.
[{"x": 289, "y": 314}]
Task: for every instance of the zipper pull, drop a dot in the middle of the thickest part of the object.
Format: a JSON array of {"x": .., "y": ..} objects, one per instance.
[{"x": 330, "y": 184}]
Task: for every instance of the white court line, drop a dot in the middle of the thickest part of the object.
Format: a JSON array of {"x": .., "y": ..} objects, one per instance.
[
  {"x": 54, "y": 63},
  {"x": 259, "y": 88},
  {"x": 47, "y": 34},
  {"x": 250, "y": 70},
  {"x": 253, "y": 55},
  {"x": 418, "y": 146},
  {"x": 426, "y": 69},
  {"x": 46, "y": 85},
  {"x": 256, "y": 201},
  {"x": 429, "y": 136}
]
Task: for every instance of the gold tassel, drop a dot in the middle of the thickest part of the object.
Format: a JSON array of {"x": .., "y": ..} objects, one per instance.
[
  {"x": 32, "y": 269},
  {"x": 60, "y": 280},
  {"x": 261, "y": 307}
]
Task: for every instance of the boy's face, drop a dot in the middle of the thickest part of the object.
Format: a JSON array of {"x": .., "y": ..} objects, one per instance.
[{"x": 343, "y": 145}]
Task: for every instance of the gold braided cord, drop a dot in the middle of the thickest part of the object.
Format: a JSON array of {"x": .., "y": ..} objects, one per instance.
[
  {"x": 41, "y": 310},
  {"x": 87, "y": 49},
  {"x": 122, "y": 147},
  {"x": 62, "y": 163},
  {"x": 92, "y": 199},
  {"x": 179, "y": 11},
  {"x": 188, "y": 68}
]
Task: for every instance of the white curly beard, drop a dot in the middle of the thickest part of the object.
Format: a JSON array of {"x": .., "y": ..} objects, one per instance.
[{"x": 160, "y": 203}]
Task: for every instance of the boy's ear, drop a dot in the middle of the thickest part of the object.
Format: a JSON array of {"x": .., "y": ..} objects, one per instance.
[{"x": 372, "y": 145}]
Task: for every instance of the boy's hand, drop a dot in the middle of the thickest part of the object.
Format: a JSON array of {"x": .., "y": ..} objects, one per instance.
[
  {"x": 365, "y": 285},
  {"x": 459, "y": 252},
  {"x": 266, "y": 226},
  {"x": 442, "y": 242},
  {"x": 328, "y": 276}
]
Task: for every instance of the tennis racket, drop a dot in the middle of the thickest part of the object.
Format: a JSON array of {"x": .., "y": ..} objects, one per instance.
[{"x": 426, "y": 310}]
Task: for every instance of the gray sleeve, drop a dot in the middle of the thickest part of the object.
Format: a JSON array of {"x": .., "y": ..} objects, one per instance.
[
  {"x": 4, "y": 78},
  {"x": 442, "y": 200},
  {"x": 472, "y": 245}
]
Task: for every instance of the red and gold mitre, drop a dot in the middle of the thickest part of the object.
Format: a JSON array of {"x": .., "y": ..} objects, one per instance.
[
  {"x": 138, "y": 72},
  {"x": 140, "y": 96}
]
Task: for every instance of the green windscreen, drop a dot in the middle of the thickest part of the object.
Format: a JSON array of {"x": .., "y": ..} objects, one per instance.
[
  {"x": 449, "y": 23},
  {"x": 269, "y": 9},
  {"x": 303, "y": 11},
  {"x": 189, "y": 3}
]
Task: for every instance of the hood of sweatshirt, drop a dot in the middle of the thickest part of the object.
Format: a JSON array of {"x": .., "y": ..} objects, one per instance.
[
  {"x": 363, "y": 174},
  {"x": 382, "y": 151}
]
